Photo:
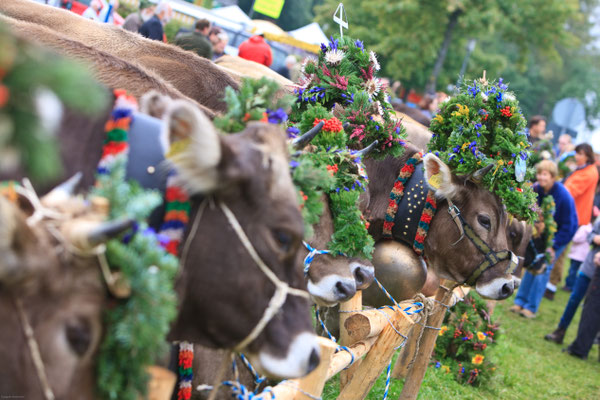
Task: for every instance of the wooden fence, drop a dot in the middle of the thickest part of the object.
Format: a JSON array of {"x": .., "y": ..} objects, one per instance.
[{"x": 371, "y": 338}]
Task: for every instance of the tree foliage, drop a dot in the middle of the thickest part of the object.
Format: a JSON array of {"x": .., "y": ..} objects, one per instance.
[{"x": 539, "y": 46}]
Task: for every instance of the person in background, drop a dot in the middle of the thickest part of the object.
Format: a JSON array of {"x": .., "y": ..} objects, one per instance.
[
  {"x": 219, "y": 46},
  {"x": 286, "y": 70},
  {"x": 581, "y": 281},
  {"x": 589, "y": 324},
  {"x": 537, "y": 128},
  {"x": 197, "y": 41},
  {"x": 154, "y": 27},
  {"x": 134, "y": 21},
  {"x": 92, "y": 11},
  {"x": 564, "y": 145},
  {"x": 532, "y": 286},
  {"x": 581, "y": 184},
  {"x": 106, "y": 8},
  {"x": 256, "y": 49}
]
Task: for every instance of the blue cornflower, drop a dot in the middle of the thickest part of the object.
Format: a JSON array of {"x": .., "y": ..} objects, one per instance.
[
  {"x": 504, "y": 170},
  {"x": 292, "y": 132},
  {"x": 502, "y": 85},
  {"x": 323, "y": 47},
  {"x": 473, "y": 90},
  {"x": 333, "y": 43},
  {"x": 359, "y": 44},
  {"x": 499, "y": 97},
  {"x": 294, "y": 163},
  {"x": 492, "y": 90},
  {"x": 278, "y": 116},
  {"x": 438, "y": 364}
]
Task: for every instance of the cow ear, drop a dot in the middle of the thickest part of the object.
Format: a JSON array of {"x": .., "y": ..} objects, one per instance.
[
  {"x": 439, "y": 177},
  {"x": 155, "y": 104},
  {"x": 15, "y": 237},
  {"x": 193, "y": 146}
]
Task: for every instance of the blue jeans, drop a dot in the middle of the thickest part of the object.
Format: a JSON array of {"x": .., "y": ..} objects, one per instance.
[
  {"x": 533, "y": 287},
  {"x": 570, "y": 281},
  {"x": 579, "y": 288}
]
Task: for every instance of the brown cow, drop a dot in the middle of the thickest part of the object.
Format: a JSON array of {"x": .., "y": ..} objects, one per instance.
[
  {"x": 194, "y": 76},
  {"x": 113, "y": 72},
  {"x": 62, "y": 297},
  {"x": 449, "y": 255},
  {"x": 251, "y": 69}
]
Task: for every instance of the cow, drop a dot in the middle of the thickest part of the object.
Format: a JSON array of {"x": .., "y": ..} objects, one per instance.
[
  {"x": 222, "y": 292},
  {"x": 111, "y": 71},
  {"x": 251, "y": 69},
  {"x": 449, "y": 254},
  {"x": 194, "y": 76}
]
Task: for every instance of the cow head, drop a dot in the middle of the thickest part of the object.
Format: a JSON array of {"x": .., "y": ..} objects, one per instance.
[
  {"x": 452, "y": 255},
  {"x": 334, "y": 278},
  {"x": 222, "y": 292},
  {"x": 45, "y": 273}
]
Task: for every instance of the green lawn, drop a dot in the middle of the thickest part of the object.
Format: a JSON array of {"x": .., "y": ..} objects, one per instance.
[{"x": 528, "y": 367}]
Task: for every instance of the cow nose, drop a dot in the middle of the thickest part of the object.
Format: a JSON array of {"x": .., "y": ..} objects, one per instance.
[
  {"x": 345, "y": 290},
  {"x": 313, "y": 360},
  {"x": 506, "y": 290},
  {"x": 363, "y": 276}
]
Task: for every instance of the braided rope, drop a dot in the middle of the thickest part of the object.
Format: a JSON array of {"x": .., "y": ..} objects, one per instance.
[{"x": 311, "y": 256}]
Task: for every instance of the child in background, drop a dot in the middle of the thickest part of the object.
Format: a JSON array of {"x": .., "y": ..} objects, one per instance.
[{"x": 579, "y": 251}]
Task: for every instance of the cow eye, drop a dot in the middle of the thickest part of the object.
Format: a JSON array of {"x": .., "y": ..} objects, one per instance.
[
  {"x": 283, "y": 238},
  {"x": 79, "y": 336},
  {"x": 513, "y": 234},
  {"x": 484, "y": 221}
]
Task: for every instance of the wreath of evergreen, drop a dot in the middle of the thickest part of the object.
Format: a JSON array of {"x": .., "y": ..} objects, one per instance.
[
  {"x": 344, "y": 75},
  {"x": 30, "y": 77},
  {"x": 468, "y": 331},
  {"x": 329, "y": 167},
  {"x": 550, "y": 227},
  {"x": 483, "y": 125},
  {"x": 136, "y": 327}
]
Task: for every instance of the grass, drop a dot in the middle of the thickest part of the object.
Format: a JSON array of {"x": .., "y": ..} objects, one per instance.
[{"x": 528, "y": 367}]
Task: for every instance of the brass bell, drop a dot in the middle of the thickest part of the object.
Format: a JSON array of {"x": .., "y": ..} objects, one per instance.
[{"x": 399, "y": 270}]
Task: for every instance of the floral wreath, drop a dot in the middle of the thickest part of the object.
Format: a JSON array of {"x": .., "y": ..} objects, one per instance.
[
  {"x": 344, "y": 76},
  {"x": 550, "y": 227},
  {"x": 482, "y": 125},
  {"x": 328, "y": 168}
]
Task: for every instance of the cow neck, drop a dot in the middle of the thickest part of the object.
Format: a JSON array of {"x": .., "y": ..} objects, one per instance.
[{"x": 411, "y": 207}]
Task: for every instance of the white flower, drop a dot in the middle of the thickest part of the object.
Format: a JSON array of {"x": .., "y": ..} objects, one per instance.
[
  {"x": 333, "y": 57},
  {"x": 484, "y": 96},
  {"x": 509, "y": 96},
  {"x": 373, "y": 60},
  {"x": 372, "y": 87}
]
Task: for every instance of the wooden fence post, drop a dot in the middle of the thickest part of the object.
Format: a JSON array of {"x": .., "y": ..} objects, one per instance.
[
  {"x": 355, "y": 303},
  {"x": 377, "y": 358},
  {"x": 415, "y": 375}
]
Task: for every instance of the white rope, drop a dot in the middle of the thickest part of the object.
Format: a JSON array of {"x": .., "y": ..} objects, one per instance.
[
  {"x": 281, "y": 288},
  {"x": 34, "y": 350}
]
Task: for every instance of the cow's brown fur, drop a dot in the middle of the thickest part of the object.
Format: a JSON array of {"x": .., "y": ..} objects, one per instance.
[
  {"x": 113, "y": 72},
  {"x": 251, "y": 69},
  {"x": 196, "y": 77}
]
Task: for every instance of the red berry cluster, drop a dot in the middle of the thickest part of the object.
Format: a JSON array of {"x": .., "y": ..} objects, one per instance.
[
  {"x": 506, "y": 112},
  {"x": 331, "y": 125}
]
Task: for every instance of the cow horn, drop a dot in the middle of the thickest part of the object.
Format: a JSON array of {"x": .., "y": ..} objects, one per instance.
[
  {"x": 305, "y": 139},
  {"x": 480, "y": 173},
  {"x": 62, "y": 192},
  {"x": 107, "y": 230},
  {"x": 366, "y": 150}
]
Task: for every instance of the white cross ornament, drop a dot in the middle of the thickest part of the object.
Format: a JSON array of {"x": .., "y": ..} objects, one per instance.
[{"x": 342, "y": 19}]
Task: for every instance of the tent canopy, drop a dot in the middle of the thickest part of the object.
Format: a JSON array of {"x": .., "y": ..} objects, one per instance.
[{"x": 311, "y": 33}]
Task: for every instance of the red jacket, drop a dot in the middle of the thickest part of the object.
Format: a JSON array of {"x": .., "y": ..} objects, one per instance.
[
  {"x": 257, "y": 50},
  {"x": 582, "y": 186}
]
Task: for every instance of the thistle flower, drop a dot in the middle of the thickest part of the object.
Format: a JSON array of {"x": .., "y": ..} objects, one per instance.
[
  {"x": 334, "y": 57},
  {"x": 373, "y": 60},
  {"x": 372, "y": 87}
]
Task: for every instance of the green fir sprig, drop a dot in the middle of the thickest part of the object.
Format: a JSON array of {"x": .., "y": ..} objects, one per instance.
[
  {"x": 31, "y": 80},
  {"x": 482, "y": 125},
  {"x": 550, "y": 226},
  {"x": 136, "y": 327}
]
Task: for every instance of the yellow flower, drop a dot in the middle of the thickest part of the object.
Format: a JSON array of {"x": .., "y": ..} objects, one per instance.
[
  {"x": 462, "y": 111},
  {"x": 481, "y": 336},
  {"x": 445, "y": 368},
  {"x": 478, "y": 359},
  {"x": 464, "y": 316},
  {"x": 464, "y": 146},
  {"x": 443, "y": 330},
  {"x": 438, "y": 118}
]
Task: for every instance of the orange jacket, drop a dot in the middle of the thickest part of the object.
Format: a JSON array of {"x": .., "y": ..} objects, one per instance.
[
  {"x": 582, "y": 186},
  {"x": 257, "y": 50}
]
